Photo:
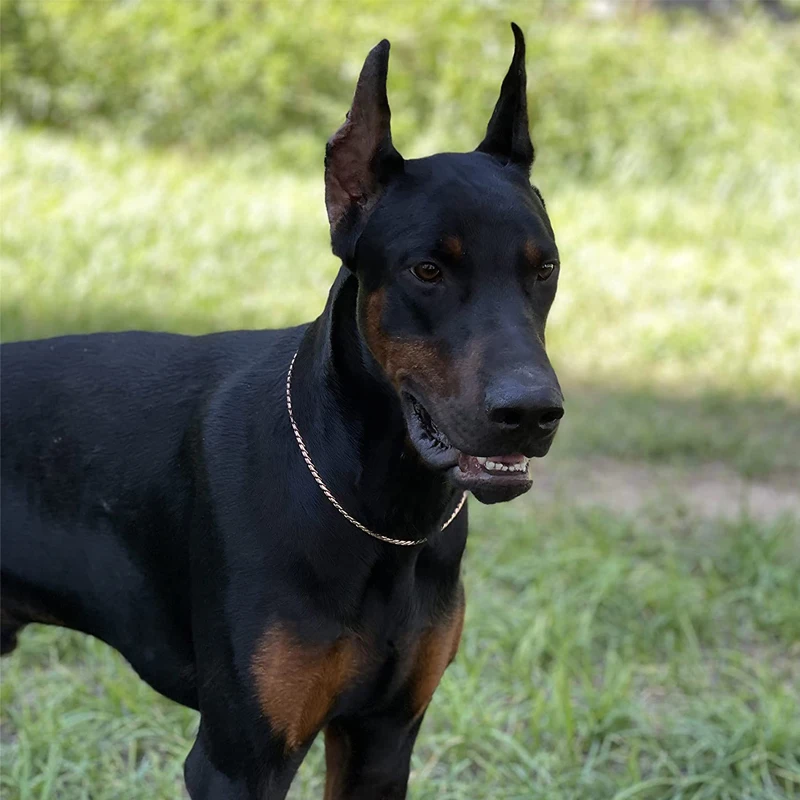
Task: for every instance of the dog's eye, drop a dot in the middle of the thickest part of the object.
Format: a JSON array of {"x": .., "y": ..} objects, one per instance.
[
  {"x": 545, "y": 271},
  {"x": 427, "y": 272}
]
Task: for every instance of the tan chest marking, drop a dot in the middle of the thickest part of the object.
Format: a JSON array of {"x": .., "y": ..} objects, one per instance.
[
  {"x": 436, "y": 648},
  {"x": 297, "y": 684}
]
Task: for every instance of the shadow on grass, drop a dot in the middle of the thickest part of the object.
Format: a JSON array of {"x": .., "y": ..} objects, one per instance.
[{"x": 754, "y": 435}]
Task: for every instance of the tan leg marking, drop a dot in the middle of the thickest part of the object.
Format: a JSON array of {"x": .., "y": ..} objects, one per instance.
[
  {"x": 436, "y": 648},
  {"x": 337, "y": 760},
  {"x": 297, "y": 684}
]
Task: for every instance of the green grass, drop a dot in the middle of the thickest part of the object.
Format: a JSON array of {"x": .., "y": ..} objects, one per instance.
[
  {"x": 646, "y": 655},
  {"x": 602, "y": 658}
]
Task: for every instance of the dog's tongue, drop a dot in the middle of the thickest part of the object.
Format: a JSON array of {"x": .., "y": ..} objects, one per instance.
[{"x": 468, "y": 464}]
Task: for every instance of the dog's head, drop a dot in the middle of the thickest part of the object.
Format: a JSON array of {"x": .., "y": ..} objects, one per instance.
[{"x": 457, "y": 268}]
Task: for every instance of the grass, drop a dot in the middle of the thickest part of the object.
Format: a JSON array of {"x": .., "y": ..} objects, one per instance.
[
  {"x": 603, "y": 658},
  {"x": 646, "y": 655},
  {"x": 685, "y": 287}
]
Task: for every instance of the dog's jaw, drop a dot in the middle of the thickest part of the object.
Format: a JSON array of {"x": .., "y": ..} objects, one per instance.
[{"x": 491, "y": 479}]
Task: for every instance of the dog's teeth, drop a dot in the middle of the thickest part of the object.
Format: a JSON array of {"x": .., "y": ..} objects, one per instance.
[{"x": 496, "y": 466}]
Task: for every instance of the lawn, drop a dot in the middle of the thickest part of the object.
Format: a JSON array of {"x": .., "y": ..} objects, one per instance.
[{"x": 633, "y": 623}]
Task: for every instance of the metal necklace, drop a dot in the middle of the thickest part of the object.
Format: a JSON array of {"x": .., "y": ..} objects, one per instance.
[{"x": 327, "y": 492}]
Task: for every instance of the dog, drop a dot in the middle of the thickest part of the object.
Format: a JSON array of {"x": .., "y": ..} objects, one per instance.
[{"x": 269, "y": 525}]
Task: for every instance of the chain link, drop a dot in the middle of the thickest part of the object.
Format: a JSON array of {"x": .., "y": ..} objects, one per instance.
[{"x": 327, "y": 492}]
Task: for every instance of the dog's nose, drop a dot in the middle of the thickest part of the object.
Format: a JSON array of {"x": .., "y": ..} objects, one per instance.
[{"x": 515, "y": 404}]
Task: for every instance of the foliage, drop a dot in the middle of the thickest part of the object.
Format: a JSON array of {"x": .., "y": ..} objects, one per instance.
[{"x": 643, "y": 100}]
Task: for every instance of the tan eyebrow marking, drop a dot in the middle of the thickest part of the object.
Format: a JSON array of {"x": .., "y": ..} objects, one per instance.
[
  {"x": 453, "y": 247},
  {"x": 532, "y": 252},
  {"x": 435, "y": 650}
]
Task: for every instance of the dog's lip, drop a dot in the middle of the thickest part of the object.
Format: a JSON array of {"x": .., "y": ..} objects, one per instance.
[
  {"x": 429, "y": 440},
  {"x": 469, "y": 481},
  {"x": 491, "y": 488}
]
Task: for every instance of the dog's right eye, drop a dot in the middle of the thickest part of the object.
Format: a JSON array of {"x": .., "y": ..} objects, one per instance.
[
  {"x": 427, "y": 272},
  {"x": 545, "y": 271}
]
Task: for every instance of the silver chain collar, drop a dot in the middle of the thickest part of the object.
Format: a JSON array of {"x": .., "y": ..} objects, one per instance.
[{"x": 327, "y": 492}]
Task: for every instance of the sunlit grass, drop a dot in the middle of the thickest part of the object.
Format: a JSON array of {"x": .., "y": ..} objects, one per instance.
[
  {"x": 675, "y": 321},
  {"x": 684, "y": 289}
]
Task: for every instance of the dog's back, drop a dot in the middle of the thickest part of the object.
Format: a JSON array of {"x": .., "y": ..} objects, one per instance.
[{"x": 84, "y": 492}]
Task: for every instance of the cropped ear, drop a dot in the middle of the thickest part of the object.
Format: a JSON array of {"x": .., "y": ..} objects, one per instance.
[
  {"x": 507, "y": 135},
  {"x": 360, "y": 158}
]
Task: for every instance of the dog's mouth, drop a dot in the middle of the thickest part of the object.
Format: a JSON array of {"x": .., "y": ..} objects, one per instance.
[{"x": 491, "y": 478}]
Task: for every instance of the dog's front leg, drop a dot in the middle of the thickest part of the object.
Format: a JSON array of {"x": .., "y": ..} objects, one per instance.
[
  {"x": 205, "y": 781},
  {"x": 369, "y": 757},
  {"x": 230, "y": 770},
  {"x": 263, "y": 706},
  {"x": 242, "y": 752}
]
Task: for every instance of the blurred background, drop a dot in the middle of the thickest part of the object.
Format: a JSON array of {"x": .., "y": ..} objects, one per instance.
[{"x": 633, "y": 624}]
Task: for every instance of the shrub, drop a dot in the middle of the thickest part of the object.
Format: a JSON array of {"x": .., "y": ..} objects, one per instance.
[{"x": 643, "y": 98}]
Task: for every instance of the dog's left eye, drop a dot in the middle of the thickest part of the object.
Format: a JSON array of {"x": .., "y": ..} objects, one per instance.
[
  {"x": 545, "y": 271},
  {"x": 427, "y": 272}
]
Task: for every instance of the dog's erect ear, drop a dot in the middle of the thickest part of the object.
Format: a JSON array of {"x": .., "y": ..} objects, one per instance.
[
  {"x": 507, "y": 135},
  {"x": 360, "y": 158}
]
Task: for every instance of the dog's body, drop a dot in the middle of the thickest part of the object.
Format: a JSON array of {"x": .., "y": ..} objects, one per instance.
[{"x": 154, "y": 493}]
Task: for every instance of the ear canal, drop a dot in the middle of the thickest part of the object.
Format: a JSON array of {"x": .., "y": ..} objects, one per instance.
[
  {"x": 507, "y": 135},
  {"x": 360, "y": 158}
]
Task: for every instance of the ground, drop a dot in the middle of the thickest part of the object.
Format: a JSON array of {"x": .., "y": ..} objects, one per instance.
[{"x": 633, "y": 623}]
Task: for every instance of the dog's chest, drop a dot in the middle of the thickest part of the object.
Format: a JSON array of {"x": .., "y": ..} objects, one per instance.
[
  {"x": 408, "y": 666},
  {"x": 396, "y": 669}
]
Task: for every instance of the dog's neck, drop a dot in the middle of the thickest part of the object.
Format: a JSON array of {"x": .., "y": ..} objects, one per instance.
[{"x": 352, "y": 423}]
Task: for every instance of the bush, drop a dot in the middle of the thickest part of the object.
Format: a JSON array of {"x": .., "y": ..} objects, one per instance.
[{"x": 643, "y": 99}]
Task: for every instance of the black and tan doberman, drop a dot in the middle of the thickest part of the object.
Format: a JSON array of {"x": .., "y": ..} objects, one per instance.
[{"x": 258, "y": 520}]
